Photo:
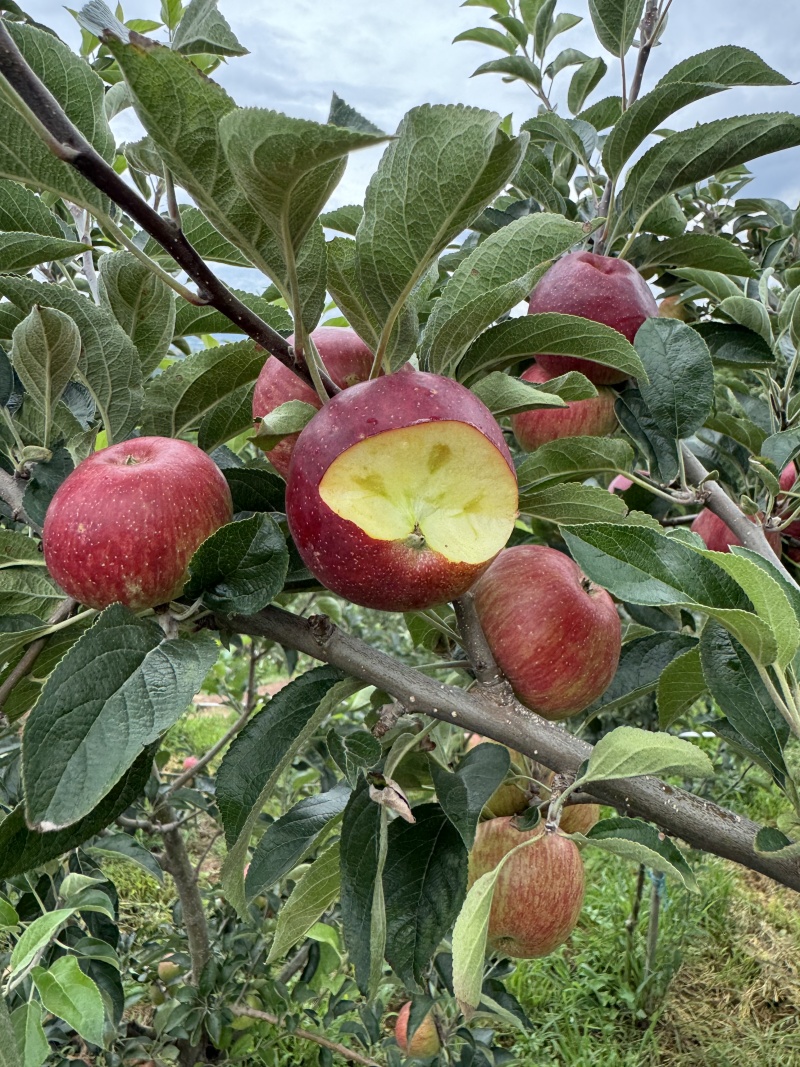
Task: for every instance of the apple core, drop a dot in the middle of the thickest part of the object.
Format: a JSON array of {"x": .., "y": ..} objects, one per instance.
[{"x": 440, "y": 485}]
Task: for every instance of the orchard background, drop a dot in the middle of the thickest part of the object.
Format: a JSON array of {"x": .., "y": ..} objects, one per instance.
[{"x": 246, "y": 811}]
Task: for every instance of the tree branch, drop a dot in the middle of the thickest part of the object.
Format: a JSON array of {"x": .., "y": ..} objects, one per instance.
[
  {"x": 306, "y": 1035},
  {"x": 186, "y": 776},
  {"x": 24, "y": 666},
  {"x": 473, "y": 641},
  {"x": 67, "y": 143},
  {"x": 650, "y": 24},
  {"x": 12, "y": 491},
  {"x": 699, "y": 822}
]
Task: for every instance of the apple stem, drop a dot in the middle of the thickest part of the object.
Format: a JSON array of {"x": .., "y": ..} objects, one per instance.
[{"x": 491, "y": 679}]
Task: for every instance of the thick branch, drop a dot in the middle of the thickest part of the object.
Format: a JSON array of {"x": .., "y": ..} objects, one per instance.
[
  {"x": 180, "y": 867},
  {"x": 69, "y": 145},
  {"x": 306, "y": 1035},
  {"x": 699, "y": 822}
]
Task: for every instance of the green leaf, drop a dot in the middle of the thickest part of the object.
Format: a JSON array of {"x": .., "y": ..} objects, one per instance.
[
  {"x": 584, "y": 81},
  {"x": 424, "y": 882},
  {"x": 640, "y": 666},
  {"x": 28, "y": 591},
  {"x": 21, "y": 251},
  {"x": 641, "y": 843},
  {"x": 37, "y": 936},
  {"x": 121, "y": 680},
  {"x": 665, "y": 218},
  {"x": 446, "y": 165},
  {"x": 142, "y": 304},
  {"x": 260, "y": 754},
  {"x": 504, "y": 395},
  {"x": 748, "y": 313},
  {"x": 679, "y": 687},
  {"x": 30, "y": 1037},
  {"x": 46, "y": 347},
  {"x": 551, "y": 127},
  {"x": 628, "y": 752},
  {"x": 71, "y": 995},
  {"x": 692, "y": 155},
  {"x": 254, "y": 489},
  {"x": 241, "y": 567},
  {"x": 604, "y": 113},
  {"x": 469, "y": 941},
  {"x": 109, "y": 364},
  {"x": 464, "y": 792},
  {"x": 9, "y": 918},
  {"x": 513, "y": 67},
  {"x": 345, "y": 219},
  {"x": 570, "y": 503},
  {"x": 489, "y": 282},
  {"x": 193, "y": 388},
  {"x": 353, "y": 753},
  {"x": 562, "y": 335},
  {"x": 680, "y": 391},
  {"x": 287, "y": 168},
  {"x": 782, "y": 447},
  {"x": 290, "y": 837},
  {"x": 79, "y": 90},
  {"x": 717, "y": 285},
  {"x": 308, "y": 901},
  {"x": 203, "y": 29},
  {"x": 488, "y": 36},
  {"x": 363, "y": 854},
  {"x": 734, "y": 682},
  {"x": 699, "y": 250},
  {"x": 283, "y": 420},
  {"x": 695, "y": 78},
  {"x": 22, "y": 849},
  {"x": 44, "y": 480},
  {"x": 122, "y": 846},
  {"x": 735, "y": 346},
  {"x": 573, "y": 458},
  {"x": 772, "y": 842},
  {"x": 21, "y": 210},
  {"x": 615, "y": 23},
  {"x": 342, "y": 114}
]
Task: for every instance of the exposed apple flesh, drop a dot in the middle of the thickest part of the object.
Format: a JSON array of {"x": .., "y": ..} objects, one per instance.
[
  {"x": 425, "y": 1040},
  {"x": 348, "y": 361},
  {"x": 719, "y": 537},
  {"x": 595, "y": 287},
  {"x": 580, "y": 418},
  {"x": 555, "y": 634},
  {"x": 539, "y": 891},
  {"x": 401, "y": 491},
  {"x": 125, "y": 523}
]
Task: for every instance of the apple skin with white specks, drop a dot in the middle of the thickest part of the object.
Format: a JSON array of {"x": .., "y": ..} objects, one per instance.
[
  {"x": 719, "y": 537},
  {"x": 402, "y": 571},
  {"x": 601, "y": 288},
  {"x": 580, "y": 418},
  {"x": 539, "y": 892},
  {"x": 348, "y": 361},
  {"x": 123, "y": 526},
  {"x": 555, "y": 635}
]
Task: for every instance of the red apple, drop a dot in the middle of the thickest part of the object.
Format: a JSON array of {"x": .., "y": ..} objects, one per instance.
[
  {"x": 595, "y": 287},
  {"x": 788, "y": 477},
  {"x": 401, "y": 491},
  {"x": 510, "y": 797},
  {"x": 620, "y": 484},
  {"x": 719, "y": 537},
  {"x": 580, "y": 418},
  {"x": 190, "y": 763},
  {"x": 555, "y": 634},
  {"x": 125, "y": 523},
  {"x": 348, "y": 361},
  {"x": 425, "y": 1041},
  {"x": 539, "y": 892}
]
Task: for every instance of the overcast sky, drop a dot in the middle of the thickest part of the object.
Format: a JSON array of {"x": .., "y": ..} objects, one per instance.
[{"x": 385, "y": 57}]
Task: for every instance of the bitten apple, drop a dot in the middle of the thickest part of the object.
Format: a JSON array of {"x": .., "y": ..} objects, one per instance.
[
  {"x": 425, "y": 1041},
  {"x": 125, "y": 523},
  {"x": 555, "y": 634},
  {"x": 580, "y": 418},
  {"x": 539, "y": 891},
  {"x": 348, "y": 361},
  {"x": 719, "y": 537},
  {"x": 401, "y": 491},
  {"x": 595, "y": 287},
  {"x": 510, "y": 797}
]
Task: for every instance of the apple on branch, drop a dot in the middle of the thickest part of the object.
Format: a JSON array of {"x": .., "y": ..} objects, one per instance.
[
  {"x": 595, "y": 287},
  {"x": 554, "y": 633},
  {"x": 425, "y": 1041},
  {"x": 719, "y": 537},
  {"x": 347, "y": 360},
  {"x": 401, "y": 491},
  {"x": 539, "y": 891},
  {"x": 125, "y": 523},
  {"x": 580, "y": 418}
]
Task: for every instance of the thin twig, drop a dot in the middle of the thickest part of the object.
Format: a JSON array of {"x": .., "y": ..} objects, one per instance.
[
  {"x": 12, "y": 491},
  {"x": 182, "y": 779},
  {"x": 647, "y": 39},
  {"x": 199, "y": 865},
  {"x": 24, "y": 666},
  {"x": 306, "y": 1035}
]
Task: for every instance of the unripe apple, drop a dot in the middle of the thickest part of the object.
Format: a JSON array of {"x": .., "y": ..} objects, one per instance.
[
  {"x": 510, "y": 798},
  {"x": 718, "y": 537},
  {"x": 595, "y": 287},
  {"x": 425, "y": 1041},
  {"x": 539, "y": 891},
  {"x": 168, "y": 970},
  {"x": 125, "y": 523},
  {"x": 672, "y": 308},
  {"x": 401, "y": 491},
  {"x": 157, "y": 996},
  {"x": 555, "y": 634},
  {"x": 580, "y": 418},
  {"x": 348, "y": 361}
]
